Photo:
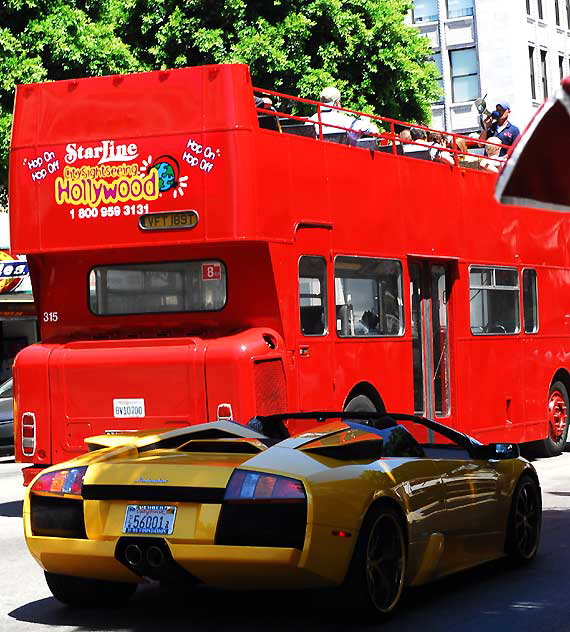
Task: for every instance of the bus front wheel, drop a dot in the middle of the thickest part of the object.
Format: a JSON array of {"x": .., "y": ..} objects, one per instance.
[{"x": 558, "y": 412}]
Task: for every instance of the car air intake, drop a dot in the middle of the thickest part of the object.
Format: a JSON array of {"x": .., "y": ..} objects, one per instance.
[
  {"x": 57, "y": 517},
  {"x": 233, "y": 446}
]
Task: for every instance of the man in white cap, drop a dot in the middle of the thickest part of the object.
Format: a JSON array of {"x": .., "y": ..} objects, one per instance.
[
  {"x": 330, "y": 98},
  {"x": 498, "y": 126}
]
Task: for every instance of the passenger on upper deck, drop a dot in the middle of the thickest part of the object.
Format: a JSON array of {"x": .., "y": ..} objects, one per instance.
[
  {"x": 263, "y": 102},
  {"x": 497, "y": 125},
  {"x": 494, "y": 161},
  {"x": 437, "y": 152},
  {"x": 330, "y": 97}
]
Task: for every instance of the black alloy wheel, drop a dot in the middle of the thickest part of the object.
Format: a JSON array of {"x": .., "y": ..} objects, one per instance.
[
  {"x": 525, "y": 521},
  {"x": 376, "y": 578}
]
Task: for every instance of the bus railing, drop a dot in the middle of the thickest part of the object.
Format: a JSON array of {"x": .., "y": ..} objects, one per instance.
[{"x": 457, "y": 146}]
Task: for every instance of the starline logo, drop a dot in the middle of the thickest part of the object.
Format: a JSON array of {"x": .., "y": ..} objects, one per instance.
[{"x": 107, "y": 151}]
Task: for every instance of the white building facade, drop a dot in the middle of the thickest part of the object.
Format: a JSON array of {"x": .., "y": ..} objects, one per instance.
[{"x": 509, "y": 50}]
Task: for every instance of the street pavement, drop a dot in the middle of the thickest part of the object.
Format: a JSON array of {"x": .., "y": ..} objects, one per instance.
[{"x": 491, "y": 597}]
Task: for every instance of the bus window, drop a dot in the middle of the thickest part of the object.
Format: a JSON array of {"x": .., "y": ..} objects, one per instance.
[
  {"x": 530, "y": 301},
  {"x": 494, "y": 300},
  {"x": 368, "y": 296},
  {"x": 143, "y": 288},
  {"x": 313, "y": 295}
]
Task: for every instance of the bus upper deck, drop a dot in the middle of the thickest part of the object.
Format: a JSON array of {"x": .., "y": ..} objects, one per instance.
[{"x": 91, "y": 157}]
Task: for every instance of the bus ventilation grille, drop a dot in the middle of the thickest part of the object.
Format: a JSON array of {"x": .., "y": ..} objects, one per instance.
[{"x": 270, "y": 386}]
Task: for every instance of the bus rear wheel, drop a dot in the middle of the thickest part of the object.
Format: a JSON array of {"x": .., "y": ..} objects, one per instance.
[
  {"x": 558, "y": 413},
  {"x": 361, "y": 404}
]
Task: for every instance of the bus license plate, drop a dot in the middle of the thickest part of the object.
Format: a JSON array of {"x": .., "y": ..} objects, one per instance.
[{"x": 153, "y": 519}]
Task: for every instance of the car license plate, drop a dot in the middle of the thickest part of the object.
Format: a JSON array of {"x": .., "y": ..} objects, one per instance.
[{"x": 154, "y": 519}]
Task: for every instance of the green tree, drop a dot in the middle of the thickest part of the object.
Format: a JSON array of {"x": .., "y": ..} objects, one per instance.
[
  {"x": 380, "y": 64},
  {"x": 43, "y": 40}
]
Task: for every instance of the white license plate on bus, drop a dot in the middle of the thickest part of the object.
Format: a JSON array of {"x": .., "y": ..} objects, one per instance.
[{"x": 149, "y": 519}]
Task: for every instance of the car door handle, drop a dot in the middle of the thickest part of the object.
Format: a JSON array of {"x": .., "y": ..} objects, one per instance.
[{"x": 304, "y": 351}]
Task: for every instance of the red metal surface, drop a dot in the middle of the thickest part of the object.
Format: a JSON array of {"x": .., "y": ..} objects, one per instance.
[{"x": 268, "y": 199}]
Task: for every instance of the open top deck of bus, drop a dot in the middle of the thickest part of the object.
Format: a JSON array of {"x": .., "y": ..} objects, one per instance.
[{"x": 91, "y": 157}]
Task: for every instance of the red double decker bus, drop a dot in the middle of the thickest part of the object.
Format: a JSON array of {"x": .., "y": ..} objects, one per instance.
[{"x": 190, "y": 264}]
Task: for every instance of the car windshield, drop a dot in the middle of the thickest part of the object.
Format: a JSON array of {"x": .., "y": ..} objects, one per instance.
[{"x": 6, "y": 388}]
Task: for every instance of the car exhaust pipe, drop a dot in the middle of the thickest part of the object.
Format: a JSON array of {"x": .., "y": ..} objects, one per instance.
[
  {"x": 155, "y": 556},
  {"x": 133, "y": 555}
]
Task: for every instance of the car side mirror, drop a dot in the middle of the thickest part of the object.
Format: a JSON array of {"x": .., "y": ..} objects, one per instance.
[{"x": 498, "y": 451}]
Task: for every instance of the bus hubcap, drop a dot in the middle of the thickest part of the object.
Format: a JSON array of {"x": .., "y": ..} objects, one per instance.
[{"x": 557, "y": 415}]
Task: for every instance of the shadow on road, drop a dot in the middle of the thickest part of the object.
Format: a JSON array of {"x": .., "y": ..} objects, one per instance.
[
  {"x": 12, "y": 509},
  {"x": 491, "y": 597}
]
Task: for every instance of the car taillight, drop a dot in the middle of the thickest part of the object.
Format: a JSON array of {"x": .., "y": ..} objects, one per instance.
[
  {"x": 28, "y": 434},
  {"x": 244, "y": 485},
  {"x": 68, "y": 481}
]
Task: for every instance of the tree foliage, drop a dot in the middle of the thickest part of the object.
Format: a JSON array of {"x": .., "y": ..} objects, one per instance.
[
  {"x": 380, "y": 64},
  {"x": 43, "y": 40}
]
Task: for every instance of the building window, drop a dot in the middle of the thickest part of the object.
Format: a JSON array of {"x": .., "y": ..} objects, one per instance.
[
  {"x": 528, "y": 7},
  {"x": 568, "y": 13},
  {"x": 425, "y": 11},
  {"x": 532, "y": 74},
  {"x": 494, "y": 300},
  {"x": 557, "y": 12},
  {"x": 544, "y": 74},
  {"x": 459, "y": 8},
  {"x": 540, "y": 12},
  {"x": 464, "y": 79},
  {"x": 561, "y": 66},
  {"x": 436, "y": 58},
  {"x": 530, "y": 301},
  {"x": 313, "y": 296}
]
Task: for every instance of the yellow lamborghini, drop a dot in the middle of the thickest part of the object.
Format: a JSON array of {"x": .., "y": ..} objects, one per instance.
[{"x": 366, "y": 502}]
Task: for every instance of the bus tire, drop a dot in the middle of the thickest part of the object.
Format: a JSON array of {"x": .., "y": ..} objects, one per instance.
[
  {"x": 360, "y": 404},
  {"x": 558, "y": 412}
]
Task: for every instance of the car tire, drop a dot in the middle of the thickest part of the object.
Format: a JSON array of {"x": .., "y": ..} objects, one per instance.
[
  {"x": 525, "y": 521},
  {"x": 81, "y": 592},
  {"x": 360, "y": 404},
  {"x": 376, "y": 578}
]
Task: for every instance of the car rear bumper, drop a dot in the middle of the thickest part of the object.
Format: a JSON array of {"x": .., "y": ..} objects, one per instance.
[{"x": 233, "y": 567}]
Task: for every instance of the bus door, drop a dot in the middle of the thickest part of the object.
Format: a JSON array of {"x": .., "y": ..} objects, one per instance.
[
  {"x": 430, "y": 288},
  {"x": 313, "y": 353}
]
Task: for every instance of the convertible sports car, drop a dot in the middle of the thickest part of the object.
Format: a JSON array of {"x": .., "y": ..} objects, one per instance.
[{"x": 366, "y": 502}]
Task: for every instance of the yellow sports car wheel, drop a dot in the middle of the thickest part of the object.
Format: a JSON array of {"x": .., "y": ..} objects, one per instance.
[
  {"x": 525, "y": 520},
  {"x": 378, "y": 570},
  {"x": 80, "y": 592}
]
